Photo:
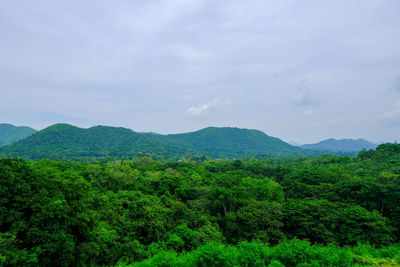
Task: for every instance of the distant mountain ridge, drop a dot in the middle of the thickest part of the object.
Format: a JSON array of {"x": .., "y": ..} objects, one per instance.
[
  {"x": 10, "y": 133},
  {"x": 67, "y": 142},
  {"x": 341, "y": 145}
]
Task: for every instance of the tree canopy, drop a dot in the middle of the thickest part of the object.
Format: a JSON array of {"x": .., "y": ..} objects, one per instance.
[{"x": 324, "y": 211}]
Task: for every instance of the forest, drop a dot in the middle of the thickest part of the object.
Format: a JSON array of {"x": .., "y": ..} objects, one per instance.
[{"x": 325, "y": 210}]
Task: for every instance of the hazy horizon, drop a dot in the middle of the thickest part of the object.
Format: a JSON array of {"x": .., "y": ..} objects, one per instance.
[{"x": 302, "y": 72}]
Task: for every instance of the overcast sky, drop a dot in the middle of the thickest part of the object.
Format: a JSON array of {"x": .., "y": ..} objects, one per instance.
[{"x": 299, "y": 70}]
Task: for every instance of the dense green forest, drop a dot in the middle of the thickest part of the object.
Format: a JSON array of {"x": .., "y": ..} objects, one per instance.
[{"x": 321, "y": 211}]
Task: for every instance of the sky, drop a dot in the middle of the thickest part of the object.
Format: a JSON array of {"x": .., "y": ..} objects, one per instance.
[{"x": 302, "y": 71}]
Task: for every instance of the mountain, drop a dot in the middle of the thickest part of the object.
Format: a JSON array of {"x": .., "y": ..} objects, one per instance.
[
  {"x": 10, "y": 133},
  {"x": 67, "y": 142},
  {"x": 341, "y": 145},
  {"x": 64, "y": 141},
  {"x": 230, "y": 142}
]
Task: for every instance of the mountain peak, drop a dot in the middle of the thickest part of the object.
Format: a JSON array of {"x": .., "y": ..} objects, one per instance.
[
  {"x": 341, "y": 145},
  {"x": 10, "y": 133},
  {"x": 60, "y": 126}
]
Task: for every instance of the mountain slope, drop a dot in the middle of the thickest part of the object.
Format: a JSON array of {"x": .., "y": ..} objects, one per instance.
[
  {"x": 341, "y": 145},
  {"x": 10, "y": 133},
  {"x": 230, "y": 142},
  {"x": 66, "y": 142}
]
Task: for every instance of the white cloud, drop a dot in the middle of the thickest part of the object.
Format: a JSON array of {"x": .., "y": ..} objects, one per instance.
[
  {"x": 308, "y": 112},
  {"x": 392, "y": 118},
  {"x": 306, "y": 96},
  {"x": 394, "y": 113},
  {"x": 207, "y": 108}
]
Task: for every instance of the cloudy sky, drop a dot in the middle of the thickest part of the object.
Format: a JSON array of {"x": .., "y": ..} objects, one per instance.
[{"x": 299, "y": 70}]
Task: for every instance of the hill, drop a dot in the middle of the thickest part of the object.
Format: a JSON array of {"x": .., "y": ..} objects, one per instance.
[
  {"x": 230, "y": 142},
  {"x": 10, "y": 133},
  {"x": 341, "y": 145},
  {"x": 67, "y": 142}
]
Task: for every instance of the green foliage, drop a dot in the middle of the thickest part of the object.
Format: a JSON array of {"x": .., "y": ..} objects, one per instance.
[
  {"x": 322, "y": 221},
  {"x": 325, "y": 211},
  {"x": 292, "y": 253}
]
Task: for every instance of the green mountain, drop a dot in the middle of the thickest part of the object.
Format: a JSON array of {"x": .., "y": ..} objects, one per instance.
[
  {"x": 230, "y": 142},
  {"x": 10, "y": 133},
  {"x": 64, "y": 141},
  {"x": 67, "y": 142},
  {"x": 341, "y": 145}
]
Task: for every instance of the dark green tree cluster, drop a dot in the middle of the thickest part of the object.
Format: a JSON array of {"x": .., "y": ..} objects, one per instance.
[{"x": 266, "y": 212}]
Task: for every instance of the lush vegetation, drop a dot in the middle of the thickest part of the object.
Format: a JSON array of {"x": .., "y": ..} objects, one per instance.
[
  {"x": 66, "y": 142},
  {"x": 341, "y": 145},
  {"x": 291, "y": 253},
  {"x": 325, "y": 211},
  {"x": 10, "y": 133}
]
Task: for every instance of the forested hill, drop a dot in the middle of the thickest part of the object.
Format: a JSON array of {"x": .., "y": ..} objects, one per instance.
[
  {"x": 10, "y": 133},
  {"x": 234, "y": 142},
  {"x": 64, "y": 142},
  {"x": 67, "y": 142},
  {"x": 341, "y": 145}
]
